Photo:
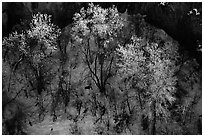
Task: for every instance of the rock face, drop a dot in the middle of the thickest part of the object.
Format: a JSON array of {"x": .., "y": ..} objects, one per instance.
[{"x": 190, "y": 83}]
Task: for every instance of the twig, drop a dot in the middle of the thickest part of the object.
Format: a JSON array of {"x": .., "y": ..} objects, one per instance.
[{"x": 13, "y": 98}]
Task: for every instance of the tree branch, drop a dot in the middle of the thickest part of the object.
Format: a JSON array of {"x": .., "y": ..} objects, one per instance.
[
  {"x": 14, "y": 97},
  {"x": 89, "y": 66},
  {"x": 109, "y": 70}
]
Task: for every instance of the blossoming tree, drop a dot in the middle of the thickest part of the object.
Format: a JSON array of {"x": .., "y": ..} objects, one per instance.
[
  {"x": 151, "y": 68},
  {"x": 31, "y": 50},
  {"x": 96, "y": 30}
]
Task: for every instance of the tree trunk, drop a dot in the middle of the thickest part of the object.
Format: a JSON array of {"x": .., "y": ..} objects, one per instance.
[
  {"x": 153, "y": 120},
  {"x": 94, "y": 104},
  {"x": 140, "y": 100},
  {"x": 128, "y": 104}
]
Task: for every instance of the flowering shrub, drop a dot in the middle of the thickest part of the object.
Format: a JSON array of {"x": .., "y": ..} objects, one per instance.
[
  {"x": 97, "y": 22},
  {"x": 152, "y": 68},
  {"x": 44, "y": 31},
  {"x": 38, "y": 41},
  {"x": 96, "y": 30}
]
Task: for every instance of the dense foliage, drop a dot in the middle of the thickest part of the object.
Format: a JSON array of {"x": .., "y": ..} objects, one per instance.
[{"x": 151, "y": 68}]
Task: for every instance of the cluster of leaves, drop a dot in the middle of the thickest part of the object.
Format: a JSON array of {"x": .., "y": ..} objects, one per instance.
[
  {"x": 36, "y": 42},
  {"x": 96, "y": 21},
  {"x": 44, "y": 31},
  {"x": 152, "y": 68}
]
